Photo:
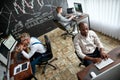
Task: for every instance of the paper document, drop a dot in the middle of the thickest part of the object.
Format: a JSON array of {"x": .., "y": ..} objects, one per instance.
[
  {"x": 21, "y": 67},
  {"x": 104, "y": 63}
]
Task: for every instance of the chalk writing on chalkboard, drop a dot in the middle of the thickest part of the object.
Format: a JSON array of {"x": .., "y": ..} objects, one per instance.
[
  {"x": 17, "y": 29},
  {"x": 33, "y": 22},
  {"x": 21, "y": 6},
  {"x": 23, "y": 15}
]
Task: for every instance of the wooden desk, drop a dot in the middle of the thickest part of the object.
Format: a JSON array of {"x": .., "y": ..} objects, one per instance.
[
  {"x": 84, "y": 74},
  {"x": 22, "y": 75},
  {"x": 17, "y": 59},
  {"x": 80, "y": 18}
]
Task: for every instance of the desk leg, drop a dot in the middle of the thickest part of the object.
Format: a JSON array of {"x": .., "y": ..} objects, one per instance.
[
  {"x": 89, "y": 22},
  {"x": 32, "y": 76}
]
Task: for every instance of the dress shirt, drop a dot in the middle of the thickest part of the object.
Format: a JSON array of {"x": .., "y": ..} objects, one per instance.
[
  {"x": 86, "y": 45},
  {"x": 34, "y": 48}
]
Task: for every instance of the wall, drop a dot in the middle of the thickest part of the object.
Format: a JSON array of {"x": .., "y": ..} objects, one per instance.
[
  {"x": 71, "y": 2},
  {"x": 32, "y": 16}
]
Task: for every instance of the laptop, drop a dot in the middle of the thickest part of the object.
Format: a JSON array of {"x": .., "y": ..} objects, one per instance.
[{"x": 6, "y": 47}]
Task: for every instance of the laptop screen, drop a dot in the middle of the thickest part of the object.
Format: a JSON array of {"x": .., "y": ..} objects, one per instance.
[
  {"x": 6, "y": 47},
  {"x": 70, "y": 10},
  {"x": 9, "y": 42}
]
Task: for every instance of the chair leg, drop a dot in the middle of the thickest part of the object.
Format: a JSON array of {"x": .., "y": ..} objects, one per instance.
[
  {"x": 48, "y": 63},
  {"x": 52, "y": 66},
  {"x": 67, "y": 34},
  {"x": 32, "y": 76},
  {"x": 53, "y": 60},
  {"x": 80, "y": 64}
]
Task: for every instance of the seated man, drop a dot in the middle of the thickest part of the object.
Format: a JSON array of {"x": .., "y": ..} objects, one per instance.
[
  {"x": 88, "y": 46},
  {"x": 66, "y": 21},
  {"x": 36, "y": 49}
]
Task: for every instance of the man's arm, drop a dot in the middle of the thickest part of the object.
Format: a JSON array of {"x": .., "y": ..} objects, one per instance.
[
  {"x": 78, "y": 48},
  {"x": 94, "y": 60},
  {"x": 103, "y": 54},
  {"x": 100, "y": 46}
]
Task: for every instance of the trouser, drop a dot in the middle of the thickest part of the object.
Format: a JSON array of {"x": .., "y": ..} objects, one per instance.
[
  {"x": 35, "y": 62},
  {"x": 72, "y": 26},
  {"x": 35, "y": 59},
  {"x": 95, "y": 54}
]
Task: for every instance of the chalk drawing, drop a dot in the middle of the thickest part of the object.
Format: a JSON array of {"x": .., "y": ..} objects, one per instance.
[{"x": 26, "y": 4}]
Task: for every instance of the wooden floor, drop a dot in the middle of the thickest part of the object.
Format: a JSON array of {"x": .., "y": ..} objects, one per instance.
[{"x": 67, "y": 63}]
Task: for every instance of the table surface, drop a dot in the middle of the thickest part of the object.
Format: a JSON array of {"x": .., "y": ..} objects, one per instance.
[
  {"x": 80, "y": 17},
  {"x": 85, "y": 73},
  {"x": 16, "y": 59}
]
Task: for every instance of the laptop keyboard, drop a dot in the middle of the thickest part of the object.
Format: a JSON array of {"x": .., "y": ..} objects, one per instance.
[{"x": 104, "y": 63}]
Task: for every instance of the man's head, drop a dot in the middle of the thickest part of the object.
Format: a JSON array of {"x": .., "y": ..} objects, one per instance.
[
  {"x": 83, "y": 27},
  {"x": 59, "y": 9},
  {"x": 25, "y": 38}
]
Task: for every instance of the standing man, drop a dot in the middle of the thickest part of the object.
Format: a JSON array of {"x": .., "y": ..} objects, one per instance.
[{"x": 88, "y": 46}]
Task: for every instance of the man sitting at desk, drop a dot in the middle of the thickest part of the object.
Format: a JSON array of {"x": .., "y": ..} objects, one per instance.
[
  {"x": 66, "y": 21},
  {"x": 36, "y": 49},
  {"x": 88, "y": 46}
]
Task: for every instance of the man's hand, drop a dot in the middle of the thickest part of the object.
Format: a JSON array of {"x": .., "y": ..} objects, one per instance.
[
  {"x": 104, "y": 55},
  {"x": 96, "y": 60}
]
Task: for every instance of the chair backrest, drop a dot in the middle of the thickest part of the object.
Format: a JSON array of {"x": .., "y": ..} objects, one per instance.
[
  {"x": 48, "y": 46},
  {"x": 59, "y": 25}
]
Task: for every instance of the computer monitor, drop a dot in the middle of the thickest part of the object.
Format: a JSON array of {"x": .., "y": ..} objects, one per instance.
[
  {"x": 78, "y": 7},
  {"x": 110, "y": 74},
  {"x": 6, "y": 47}
]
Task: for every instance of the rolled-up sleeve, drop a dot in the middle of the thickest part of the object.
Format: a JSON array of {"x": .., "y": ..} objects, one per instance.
[
  {"x": 26, "y": 55},
  {"x": 63, "y": 19},
  {"x": 31, "y": 53},
  {"x": 78, "y": 48}
]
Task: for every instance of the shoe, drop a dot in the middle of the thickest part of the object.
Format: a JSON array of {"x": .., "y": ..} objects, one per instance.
[{"x": 74, "y": 32}]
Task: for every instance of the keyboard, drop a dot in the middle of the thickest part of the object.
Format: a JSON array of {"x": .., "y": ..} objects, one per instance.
[{"x": 104, "y": 63}]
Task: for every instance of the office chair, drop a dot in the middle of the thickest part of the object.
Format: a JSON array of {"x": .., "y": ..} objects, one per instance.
[
  {"x": 47, "y": 58},
  {"x": 67, "y": 33},
  {"x": 81, "y": 60}
]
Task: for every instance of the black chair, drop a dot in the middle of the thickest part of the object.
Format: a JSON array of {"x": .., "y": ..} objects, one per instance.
[
  {"x": 81, "y": 60},
  {"x": 47, "y": 57},
  {"x": 67, "y": 33}
]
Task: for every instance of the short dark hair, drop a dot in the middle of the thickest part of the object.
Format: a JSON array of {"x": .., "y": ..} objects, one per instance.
[{"x": 81, "y": 24}]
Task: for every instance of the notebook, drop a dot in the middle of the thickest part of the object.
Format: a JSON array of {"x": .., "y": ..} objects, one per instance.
[
  {"x": 104, "y": 63},
  {"x": 21, "y": 67}
]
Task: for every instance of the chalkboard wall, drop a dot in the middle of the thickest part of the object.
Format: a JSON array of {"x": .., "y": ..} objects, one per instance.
[{"x": 32, "y": 16}]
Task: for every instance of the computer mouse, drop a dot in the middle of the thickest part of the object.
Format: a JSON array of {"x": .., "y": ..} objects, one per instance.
[{"x": 92, "y": 74}]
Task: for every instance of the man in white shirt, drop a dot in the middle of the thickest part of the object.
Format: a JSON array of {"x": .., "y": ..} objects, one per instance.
[
  {"x": 88, "y": 46},
  {"x": 36, "y": 49}
]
